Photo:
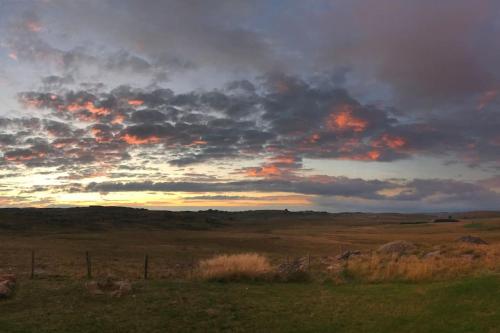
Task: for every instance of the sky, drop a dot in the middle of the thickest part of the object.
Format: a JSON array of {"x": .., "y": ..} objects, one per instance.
[{"x": 330, "y": 105}]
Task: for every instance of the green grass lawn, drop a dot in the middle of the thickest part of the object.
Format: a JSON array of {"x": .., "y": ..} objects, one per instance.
[{"x": 49, "y": 305}]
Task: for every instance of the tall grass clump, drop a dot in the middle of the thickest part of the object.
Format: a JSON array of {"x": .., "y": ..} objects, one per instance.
[
  {"x": 452, "y": 261},
  {"x": 235, "y": 267}
]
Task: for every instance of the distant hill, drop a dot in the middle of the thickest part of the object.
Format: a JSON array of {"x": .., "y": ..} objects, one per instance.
[
  {"x": 100, "y": 217},
  {"x": 477, "y": 215}
]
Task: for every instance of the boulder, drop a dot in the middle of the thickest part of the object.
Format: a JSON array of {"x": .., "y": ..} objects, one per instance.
[
  {"x": 7, "y": 285},
  {"x": 124, "y": 288},
  {"x": 347, "y": 254},
  {"x": 397, "y": 247},
  {"x": 294, "y": 270},
  {"x": 109, "y": 286},
  {"x": 471, "y": 240}
]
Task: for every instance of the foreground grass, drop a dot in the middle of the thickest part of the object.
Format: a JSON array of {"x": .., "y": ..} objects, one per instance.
[{"x": 468, "y": 305}]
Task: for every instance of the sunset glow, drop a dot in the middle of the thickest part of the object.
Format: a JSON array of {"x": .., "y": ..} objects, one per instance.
[{"x": 174, "y": 104}]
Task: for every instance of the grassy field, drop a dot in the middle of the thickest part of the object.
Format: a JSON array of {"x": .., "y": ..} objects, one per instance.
[
  {"x": 56, "y": 301},
  {"x": 469, "y": 305}
]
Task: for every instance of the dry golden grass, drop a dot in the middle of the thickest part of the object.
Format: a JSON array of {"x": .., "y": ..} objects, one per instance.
[
  {"x": 172, "y": 252},
  {"x": 445, "y": 262},
  {"x": 245, "y": 266}
]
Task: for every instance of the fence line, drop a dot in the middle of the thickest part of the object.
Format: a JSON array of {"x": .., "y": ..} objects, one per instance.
[{"x": 166, "y": 268}]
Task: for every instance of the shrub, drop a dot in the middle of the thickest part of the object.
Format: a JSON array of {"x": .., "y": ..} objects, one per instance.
[{"x": 235, "y": 267}]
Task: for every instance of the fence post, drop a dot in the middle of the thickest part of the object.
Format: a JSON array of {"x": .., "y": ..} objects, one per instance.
[
  {"x": 89, "y": 265},
  {"x": 309, "y": 261},
  {"x": 146, "y": 263},
  {"x": 32, "y": 264},
  {"x": 191, "y": 268}
]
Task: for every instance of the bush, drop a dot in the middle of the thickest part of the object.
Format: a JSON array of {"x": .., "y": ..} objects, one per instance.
[{"x": 235, "y": 267}]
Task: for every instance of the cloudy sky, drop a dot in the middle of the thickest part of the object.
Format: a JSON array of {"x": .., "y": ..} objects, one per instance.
[{"x": 347, "y": 105}]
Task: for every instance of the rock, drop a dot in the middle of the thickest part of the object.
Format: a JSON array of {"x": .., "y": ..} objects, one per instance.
[
  {"x": 432, "y": 254},
  {"x": 398, "y": 247},
  {"x": 109, "y": 286},
  {"x": 124, "y": 288},
  {"x": 7, "y": 285},
  {"x": 212, "y": 312},
  {"x": 471, "y": 240},
  {"x": 294, "y": 270},
  {"x": 5, "y": 291},
  {"x": 93, "y": 288},
  {"x": 347, "y": 254}
]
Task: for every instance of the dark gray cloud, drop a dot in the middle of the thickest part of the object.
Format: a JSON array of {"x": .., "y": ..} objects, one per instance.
[
  {"x": 194, "y": 31},
  {"x": 335, "y": 186},
  {"x": 343, "y": 80},
  {"x": 418, "y": 194},
  {"x": 277, "y": 117}
]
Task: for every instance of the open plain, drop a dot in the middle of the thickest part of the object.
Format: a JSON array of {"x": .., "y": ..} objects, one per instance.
[{"x": 174, "y": 299}]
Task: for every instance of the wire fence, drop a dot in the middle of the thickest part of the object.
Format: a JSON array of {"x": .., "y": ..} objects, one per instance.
[{"x": 40, "y": 264}]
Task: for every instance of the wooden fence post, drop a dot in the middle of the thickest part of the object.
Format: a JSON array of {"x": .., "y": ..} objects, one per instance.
[
  {"x": 89, "y": 265},
  {"x": 191, "y": 268},
  {"x": 32, "y": 264},
  {"x": 146, "y": 263}
]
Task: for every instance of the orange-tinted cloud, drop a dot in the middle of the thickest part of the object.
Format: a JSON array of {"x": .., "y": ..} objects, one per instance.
[
  {"x": 134, "y": 140},
  {"x": 373, "y": 155},
  {"x": 90, "y": 107},
  {"x": 278, "y": 166},
  {"x": 390, "y": 141},
  {"x": 314, "y": 138},
  {"x": 199, "y": 142},
  {"x": 33, "y": 26},
  {"x": 118, "y": 119},
  {"x": 135, "y": 102},
  {"x": 269, "y": 170},
  {"x": 101, "y": 136},
  {"x": 281, "y": 86},
  {"x": 343, "y": 119},
  {"x": 284, "y": 159},
  {"x": 27, "y": 155},
  {"x": 486, "y": 98},
  {"x": 13, "y": 56}
]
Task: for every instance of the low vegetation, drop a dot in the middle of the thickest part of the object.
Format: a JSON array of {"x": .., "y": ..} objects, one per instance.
[
  {"x": 158, "y": 306},
  {"x": 360, "y": 276},
  {"x": 235, "y": 267},
  {"x": 443, "y": 262}
]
